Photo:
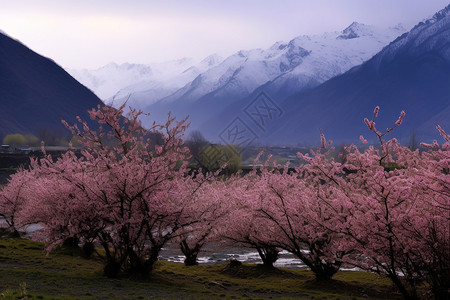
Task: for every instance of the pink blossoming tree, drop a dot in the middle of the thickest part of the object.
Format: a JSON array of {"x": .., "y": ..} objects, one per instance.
[
  {"x": 207, "y": 209},
  {"x": 13, "y": 199},
  {"x": 244, "y": 227},
  {"x": 290, "y": 211},
  {"x": 398, "y": 216},
  {"x": 122, "y": 191}
]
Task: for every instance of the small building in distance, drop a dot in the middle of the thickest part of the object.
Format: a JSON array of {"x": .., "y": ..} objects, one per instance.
[{"x": 5, "y": 148}]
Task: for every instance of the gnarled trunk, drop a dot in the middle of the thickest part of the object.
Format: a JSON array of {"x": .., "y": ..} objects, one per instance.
[
  {"x": 323, "y": 270},
  {"x": 269, "y": 255},
  {"x": 140, "y": 266},
  {"x": 152, "y": 259},
  {"x": 190, "y": 253}
]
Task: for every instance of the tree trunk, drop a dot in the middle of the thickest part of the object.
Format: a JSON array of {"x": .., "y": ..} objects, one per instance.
[
  {"x": 269, "y": 256},
  {"x": 401, "y": 287},
  {"x": 151, "y": 260},
  {"x": 325, "y": 271},
  {"x": 15, "y": 234},
  {"x": 322, "y": 270},
  {"x": 190, "y": 253}
]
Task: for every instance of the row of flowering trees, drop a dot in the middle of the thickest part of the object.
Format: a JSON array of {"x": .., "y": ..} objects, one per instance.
[
  {"x": 123, "y": 192},
  {"x": 385, "y": 209}
]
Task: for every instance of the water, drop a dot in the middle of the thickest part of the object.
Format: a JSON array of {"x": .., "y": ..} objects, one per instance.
[{"x": 216, "y": 255}]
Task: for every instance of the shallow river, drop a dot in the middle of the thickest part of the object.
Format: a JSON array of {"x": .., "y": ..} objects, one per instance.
[{"x": 214, "y": 255}]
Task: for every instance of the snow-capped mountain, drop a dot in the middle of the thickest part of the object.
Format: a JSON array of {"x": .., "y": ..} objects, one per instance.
[
  {"x": 106, "y": 81},
  {"x": 317, "y": 58},
  {"x": 304, "y": 62},
  {"x": 412, "y": 74},
  {"x": 331, "y": 54},
  {"x": 282, "y": 69},
  {"x": 162, "y": 78}
]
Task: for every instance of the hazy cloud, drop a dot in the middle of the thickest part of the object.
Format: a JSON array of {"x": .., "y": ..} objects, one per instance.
[{"x": 92, "y": 33}]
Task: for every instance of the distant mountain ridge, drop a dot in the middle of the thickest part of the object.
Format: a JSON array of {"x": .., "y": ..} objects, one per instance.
[
  {"x": 118, "y": 81},
  {"x": 412, "y": 73},
  {"x": 283, "y": 69},
  {"x": 36, "y": 93},
  {"x": 284, "y": 95}
]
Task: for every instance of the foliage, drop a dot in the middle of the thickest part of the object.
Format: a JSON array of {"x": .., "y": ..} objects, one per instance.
[
  {"x": 53, "y": 136},
  {"x": 214, "y": 157},
  {"x": 399, "y": 218},
  {"x": 396, "y": 218},
  {"x": 15, "y": 139},
  {"x": 32, "y": 140},
  {"x": 211, "y": 157},
  {"x": 13, "y": 198},
  {"x": 384, "y": 210},
  {"x": 21, "y": 140},
  {"x": 76, "y": 141}
]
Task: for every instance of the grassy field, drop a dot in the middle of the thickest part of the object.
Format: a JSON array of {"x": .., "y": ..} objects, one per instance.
[{"x": 27, "y": 273}]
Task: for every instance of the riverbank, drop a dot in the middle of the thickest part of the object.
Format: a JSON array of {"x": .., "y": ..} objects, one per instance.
[{"x": 25, "y": 268}]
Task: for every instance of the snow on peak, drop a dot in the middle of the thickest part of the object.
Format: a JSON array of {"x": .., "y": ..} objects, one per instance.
[
  {"x": 212, "y": 60},
  {"x": 356, "y": 30},
  {"x": 122, "y": 80},
  {"x": 111, "y": 65},
  {"x": 278, "y": 46},
  {"x": 319, "y": 57}
]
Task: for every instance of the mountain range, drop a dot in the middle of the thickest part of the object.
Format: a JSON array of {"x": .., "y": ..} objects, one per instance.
[
  {"x": 412, "y": 74},
  {"x": 158, "y": 79},
  {"x": 284, "y": 95},
  {"x": 36, "y": 93},
  {"x": 204, "y": 89}
]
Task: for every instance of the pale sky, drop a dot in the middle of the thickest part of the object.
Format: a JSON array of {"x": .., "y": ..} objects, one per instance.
[{"x": 92, "y": 33}]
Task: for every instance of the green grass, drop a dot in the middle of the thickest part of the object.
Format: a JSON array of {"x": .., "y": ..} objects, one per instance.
[{"x": 27, "y": 273}]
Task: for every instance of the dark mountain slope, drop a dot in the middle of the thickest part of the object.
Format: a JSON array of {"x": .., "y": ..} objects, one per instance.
[{"x": 35, "y": 93}]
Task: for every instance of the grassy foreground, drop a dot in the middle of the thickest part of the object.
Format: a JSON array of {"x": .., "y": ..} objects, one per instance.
[{"x": 27, "y": 273}]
